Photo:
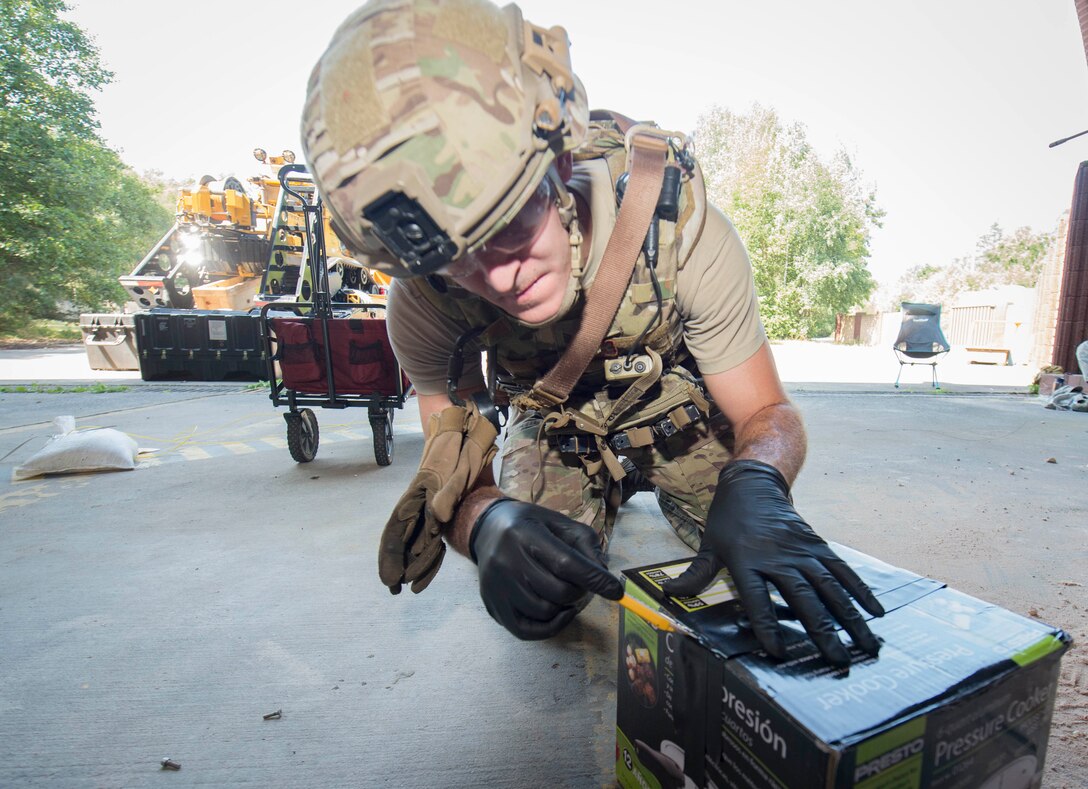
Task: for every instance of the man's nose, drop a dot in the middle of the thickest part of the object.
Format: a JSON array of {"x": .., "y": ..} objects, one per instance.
[{"x": 501, "y": 276}]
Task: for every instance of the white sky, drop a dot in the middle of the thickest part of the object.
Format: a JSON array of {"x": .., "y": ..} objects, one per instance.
[{"x": 947, "y": 106}]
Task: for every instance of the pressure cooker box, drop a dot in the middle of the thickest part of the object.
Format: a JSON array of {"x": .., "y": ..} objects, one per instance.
[{"x": 960, "y": 696}]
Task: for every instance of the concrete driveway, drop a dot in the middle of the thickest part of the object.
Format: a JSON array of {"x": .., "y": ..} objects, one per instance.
[{"x": 163, "y": 612}]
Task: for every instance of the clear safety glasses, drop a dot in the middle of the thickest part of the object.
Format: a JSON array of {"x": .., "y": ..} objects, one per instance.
[{"x": 523, "y": 230}]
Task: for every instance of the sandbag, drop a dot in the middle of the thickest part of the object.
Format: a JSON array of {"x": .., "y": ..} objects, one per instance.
[{"x": 71, "y": 451}]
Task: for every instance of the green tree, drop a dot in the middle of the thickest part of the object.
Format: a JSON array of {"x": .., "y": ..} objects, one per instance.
[
  {"x": 929, "y": 284},
  {"x": 806, "y": 222},
  {"x": 999, "y": 259},
  {"x": 1016, "y": 259},
  {"x": 72, "y": 216}
]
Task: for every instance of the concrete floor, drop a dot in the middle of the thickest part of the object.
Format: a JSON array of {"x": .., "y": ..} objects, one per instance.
[{"x": 162, "y": 612}]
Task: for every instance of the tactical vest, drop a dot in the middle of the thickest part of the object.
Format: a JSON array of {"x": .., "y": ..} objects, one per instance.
[{"x": 519, "y": 354}]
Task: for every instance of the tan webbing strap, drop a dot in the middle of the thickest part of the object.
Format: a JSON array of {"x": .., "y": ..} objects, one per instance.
[
  {"x": 648, "y": 152},
  {"x": 636, "y": 389},
  {"x": 623, "y": 123},
  {"x": 639, "y": 436}
]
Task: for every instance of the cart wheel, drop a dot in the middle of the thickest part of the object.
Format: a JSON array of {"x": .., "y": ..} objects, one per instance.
[
  {"x": 383, "y": 438},
  {"x": 302, "y": 435}
]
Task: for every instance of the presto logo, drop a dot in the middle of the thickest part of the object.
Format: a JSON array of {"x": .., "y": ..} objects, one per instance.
[{"x": 889, "y": 759}]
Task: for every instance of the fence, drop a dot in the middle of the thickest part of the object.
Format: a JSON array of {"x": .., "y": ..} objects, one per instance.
[
  {"x": 975, "y": 327},
  {"x": 861, "y": 328}
]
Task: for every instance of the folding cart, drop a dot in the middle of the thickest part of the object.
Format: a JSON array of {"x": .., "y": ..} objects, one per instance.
[{"x": 328, "y": 354}]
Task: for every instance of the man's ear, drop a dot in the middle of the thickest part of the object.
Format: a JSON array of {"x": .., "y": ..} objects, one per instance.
[{"x": 564, "y": 165}]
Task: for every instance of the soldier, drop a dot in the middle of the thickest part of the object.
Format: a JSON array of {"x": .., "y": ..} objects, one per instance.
[{"x": 453, "y": 147}]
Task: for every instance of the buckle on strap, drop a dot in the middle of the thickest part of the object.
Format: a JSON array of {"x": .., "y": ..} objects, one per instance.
[
  {"x": 649, "y": 136},
  {"x": 620, "y": 441},
  {"x": 575, "y": 444},
  {"x": 678, "y": 419},
  {"x": 633, "y": 437},
  {"x": 636, "y": 437}
]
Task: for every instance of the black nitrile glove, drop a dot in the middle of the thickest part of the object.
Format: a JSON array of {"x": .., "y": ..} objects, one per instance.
[
  {"x": 754, "y": 531},
  {"x": 537, "y": 567}
]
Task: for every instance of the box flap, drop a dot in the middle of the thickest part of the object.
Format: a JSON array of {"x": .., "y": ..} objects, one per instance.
[
  {"x": 716, "y": 615},
  {"x": 940, "y": 647}
]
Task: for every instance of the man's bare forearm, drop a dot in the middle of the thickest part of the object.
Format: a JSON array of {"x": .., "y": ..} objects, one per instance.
[
  {"x": 774, "y": 435},
  {"x": 468, "y": 512}
]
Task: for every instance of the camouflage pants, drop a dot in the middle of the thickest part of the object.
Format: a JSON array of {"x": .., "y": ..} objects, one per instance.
[{"x": 683, "y": 468}]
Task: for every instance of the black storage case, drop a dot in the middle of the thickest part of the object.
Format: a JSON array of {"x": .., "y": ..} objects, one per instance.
[{"x": 200, "y": 345}]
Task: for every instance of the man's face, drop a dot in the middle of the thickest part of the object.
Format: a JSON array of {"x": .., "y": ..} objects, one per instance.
[{"x": 525, "y": 273}]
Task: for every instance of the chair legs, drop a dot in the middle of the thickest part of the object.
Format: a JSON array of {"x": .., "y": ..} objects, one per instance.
[{"x": 932, "y": 366}]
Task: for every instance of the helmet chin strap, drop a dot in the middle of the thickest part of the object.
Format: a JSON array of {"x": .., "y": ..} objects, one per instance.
[{"x": 568, "y": 216}]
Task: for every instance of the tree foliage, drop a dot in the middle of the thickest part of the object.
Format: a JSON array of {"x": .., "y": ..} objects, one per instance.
[
  {"x": 72, "y": 216},
  {"x": 806, "y": 222},
  {"x": 999, "y": 259}
]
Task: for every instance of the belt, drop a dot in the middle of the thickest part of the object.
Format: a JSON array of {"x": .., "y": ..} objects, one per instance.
[{"x": 678, "y": 419}]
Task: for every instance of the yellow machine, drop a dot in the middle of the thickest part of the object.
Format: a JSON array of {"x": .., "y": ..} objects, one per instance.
[
  {"x": 234, "y": 247},
  {"x": 238, "y": 245},
  {"x": 221, "y": 232}
]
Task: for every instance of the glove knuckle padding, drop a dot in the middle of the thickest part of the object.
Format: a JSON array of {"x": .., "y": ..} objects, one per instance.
[{"x": 460, "y": 445}]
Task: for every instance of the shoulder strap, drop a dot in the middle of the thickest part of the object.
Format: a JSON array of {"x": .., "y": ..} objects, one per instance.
[
  {"x": 623, "y": 123},
  {"x": 648, "y": 153}
]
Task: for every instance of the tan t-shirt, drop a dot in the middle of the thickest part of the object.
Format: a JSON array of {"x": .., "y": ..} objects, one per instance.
[{"x": 715, "y": 295}]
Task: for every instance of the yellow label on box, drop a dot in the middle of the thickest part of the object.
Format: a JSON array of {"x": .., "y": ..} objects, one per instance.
[{"x": 720, "y": 591}]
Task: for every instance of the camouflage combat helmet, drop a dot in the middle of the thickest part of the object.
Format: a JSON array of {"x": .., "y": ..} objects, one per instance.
[{"x": 429, "y": 123}]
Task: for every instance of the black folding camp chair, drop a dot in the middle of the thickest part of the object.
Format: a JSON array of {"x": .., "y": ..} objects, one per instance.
[{"x": 920, "y": 338}]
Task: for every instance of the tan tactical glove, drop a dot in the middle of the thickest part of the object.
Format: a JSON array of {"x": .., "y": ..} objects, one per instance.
[{"x": 460, "y": 445}]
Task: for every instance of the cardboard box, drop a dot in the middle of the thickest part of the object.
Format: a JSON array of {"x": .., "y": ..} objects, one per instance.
[
  {"x": 961, "y": 695},
  {"x": 235, "y": 293}
]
